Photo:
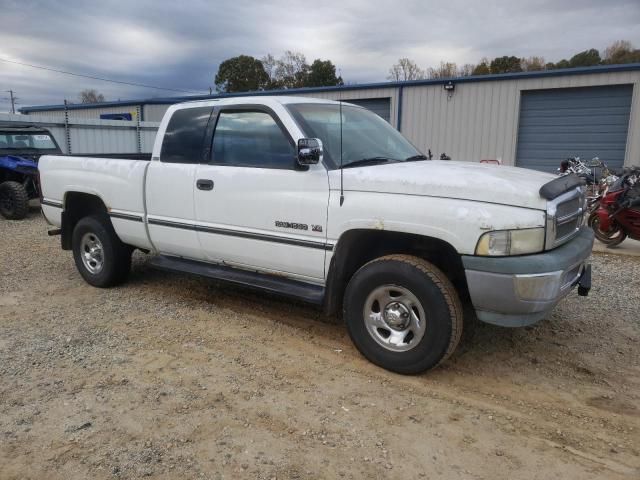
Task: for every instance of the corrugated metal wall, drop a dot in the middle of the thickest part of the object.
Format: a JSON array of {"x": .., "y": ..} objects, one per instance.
[
  {"x": 154, "y": 113},
  {"x": 480, "y": 119},
  {"x": 93, "y": 136},
  {"x": 88, "y": 113}
]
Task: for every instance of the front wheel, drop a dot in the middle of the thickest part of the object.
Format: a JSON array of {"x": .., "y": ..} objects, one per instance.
[
  {"x": 615, "y": 235},
  {"x": 101, "y": 258},
  {"x": 403, "y": 314}
]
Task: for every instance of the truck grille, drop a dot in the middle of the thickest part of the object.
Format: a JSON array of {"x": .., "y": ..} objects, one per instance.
[{"x": 564, "y": 217}]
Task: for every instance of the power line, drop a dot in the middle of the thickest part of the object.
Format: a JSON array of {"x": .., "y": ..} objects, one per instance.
[{"x": 96, "y": 78}]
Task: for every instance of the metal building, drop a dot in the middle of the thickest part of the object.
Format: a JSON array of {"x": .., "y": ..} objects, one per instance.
[{"x": 528, "y": 119}]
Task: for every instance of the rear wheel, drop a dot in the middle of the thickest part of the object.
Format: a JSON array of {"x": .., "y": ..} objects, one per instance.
[
  {"x": 101, "y": 258},
  {"x": 615, "y": 235},
  {"x": 403, "y": 314},
  {"x": 14, "y": 200}
]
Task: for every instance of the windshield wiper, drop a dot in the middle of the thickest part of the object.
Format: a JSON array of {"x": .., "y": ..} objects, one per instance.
[
  {"x": 369, "y": 161},
  {"x": 416, "y": 157}
]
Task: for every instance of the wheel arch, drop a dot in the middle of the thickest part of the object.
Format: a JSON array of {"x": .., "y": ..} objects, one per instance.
[
  {"x": 77, "y": 205},
  {"x": 357, "y": 247}
]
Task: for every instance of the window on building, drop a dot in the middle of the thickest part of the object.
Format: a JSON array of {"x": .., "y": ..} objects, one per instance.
[
  {"x": 116, "y": 116},
  {"x": 251, "y": 139},
  {"x": 184, "y": 137}
]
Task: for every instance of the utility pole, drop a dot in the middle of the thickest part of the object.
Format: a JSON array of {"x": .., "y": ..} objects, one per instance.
[{"x": 13, "y": 101}]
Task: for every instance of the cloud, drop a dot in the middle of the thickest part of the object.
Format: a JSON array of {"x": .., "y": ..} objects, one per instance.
[{"x": 180, "y": 44}]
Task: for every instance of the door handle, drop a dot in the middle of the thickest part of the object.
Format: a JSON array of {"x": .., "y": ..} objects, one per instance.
[{"x": 204, "y": 184}]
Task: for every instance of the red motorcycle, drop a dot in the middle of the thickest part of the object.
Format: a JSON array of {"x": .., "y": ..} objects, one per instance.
[{"x": 618, "y": 215}]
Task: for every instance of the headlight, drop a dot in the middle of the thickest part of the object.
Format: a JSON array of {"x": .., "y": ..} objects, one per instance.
[{"x": 511, "y": 242}]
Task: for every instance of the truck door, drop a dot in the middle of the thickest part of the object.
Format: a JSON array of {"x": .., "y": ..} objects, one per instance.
[
  {"x": 171, "y": 181},
  {"x": 255, "y": 207}
]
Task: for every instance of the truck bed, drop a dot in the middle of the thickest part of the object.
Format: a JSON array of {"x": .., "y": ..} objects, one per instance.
[{"x": 118, "y": 182}]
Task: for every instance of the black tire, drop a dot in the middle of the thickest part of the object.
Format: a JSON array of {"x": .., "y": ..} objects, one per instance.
[
  {"x": 115, "y": 256},
  {"x": 611, "y": 238},
  {"x": 438, "y": 300},
  {"x": 14, "y": 201}
]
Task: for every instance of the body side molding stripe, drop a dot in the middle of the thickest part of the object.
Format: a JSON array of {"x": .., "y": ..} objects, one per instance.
[
  {"x": 125, "y": 216},
  {"x": 237, "y": 233},
  {"x": 51, "y": 203}
]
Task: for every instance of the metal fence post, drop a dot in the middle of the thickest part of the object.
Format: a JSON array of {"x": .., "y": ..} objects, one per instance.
[
  {"x": 138, "y": 135},
  {"x": 67, "y": 132}
]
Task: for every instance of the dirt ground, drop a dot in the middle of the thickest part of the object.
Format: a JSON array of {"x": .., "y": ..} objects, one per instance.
[{"x": 171, "y": 376}]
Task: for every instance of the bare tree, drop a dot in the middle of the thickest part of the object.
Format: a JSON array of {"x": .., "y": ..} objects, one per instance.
[
  {"x": 444, "y": 70},
  {"x": 533, "y": 64},
  {"x": 617, "y": 49},
  {"x": 291, "y": 70},
  {"x": 406, "y": 69},
  {"x": 269, "y": 64},
  {"x": 90, "y": 95},
  {"x": 621, "y": 51},
  {"x": 466, "y": 69}
]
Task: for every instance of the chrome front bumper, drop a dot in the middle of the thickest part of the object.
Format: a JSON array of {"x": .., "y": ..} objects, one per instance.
[{"x": 519, "y": 291}]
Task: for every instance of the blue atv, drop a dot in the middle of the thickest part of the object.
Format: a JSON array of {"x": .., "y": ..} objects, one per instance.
[{"x": 20, "y": 150}]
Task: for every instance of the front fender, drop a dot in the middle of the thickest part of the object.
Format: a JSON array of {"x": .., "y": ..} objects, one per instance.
[{"x": 457, "y": 222}]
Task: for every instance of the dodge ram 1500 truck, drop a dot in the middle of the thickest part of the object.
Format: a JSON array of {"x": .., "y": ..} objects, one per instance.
[{"x": 328, "y": 203}]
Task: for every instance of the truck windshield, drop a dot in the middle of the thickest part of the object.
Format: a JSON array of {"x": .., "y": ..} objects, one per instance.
[
  {"x": 366, "y": 138},
  {"x": 22, "y": 141}
]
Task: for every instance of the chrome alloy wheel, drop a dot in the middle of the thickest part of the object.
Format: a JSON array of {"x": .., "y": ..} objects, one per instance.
[
  {"x": 92, "y": 253},
  {"x": 394, "y": 318}
]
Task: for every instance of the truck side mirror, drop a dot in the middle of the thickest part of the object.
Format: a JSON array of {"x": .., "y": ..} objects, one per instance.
[{"x": 309, "y": 151}]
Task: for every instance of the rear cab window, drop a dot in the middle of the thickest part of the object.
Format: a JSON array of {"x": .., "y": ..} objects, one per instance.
[{"x": 185, "y": 135}]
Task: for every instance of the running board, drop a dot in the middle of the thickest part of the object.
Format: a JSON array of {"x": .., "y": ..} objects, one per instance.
[{"x": 270, "y": 283}]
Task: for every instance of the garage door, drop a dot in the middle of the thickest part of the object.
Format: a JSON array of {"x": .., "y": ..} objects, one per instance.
[
  {"x": 583, "y": 122},
  {"x": 381, "y": 106}
]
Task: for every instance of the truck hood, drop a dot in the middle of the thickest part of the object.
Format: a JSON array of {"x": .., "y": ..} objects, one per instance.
[{"x": 462, "y": 180}]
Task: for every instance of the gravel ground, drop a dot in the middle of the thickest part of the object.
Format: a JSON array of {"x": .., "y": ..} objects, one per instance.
[{"x": 172, "y": 377}]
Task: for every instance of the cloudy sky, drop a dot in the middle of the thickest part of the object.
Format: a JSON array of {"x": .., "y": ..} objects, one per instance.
[{"x": 180, "y": 44}]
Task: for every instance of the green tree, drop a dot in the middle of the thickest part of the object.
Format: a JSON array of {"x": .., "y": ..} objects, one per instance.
[
  {"x": 586, "y": 58},
  {"x": 562, "y": 64},
  {"x": 322, "y": 73},
  {"x": 241, "y": 74},
  {"x": 506, "y": 64},
  {"x": 482, "y": 68}
]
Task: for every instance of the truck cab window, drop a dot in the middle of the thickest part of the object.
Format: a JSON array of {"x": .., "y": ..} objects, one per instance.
[
  {"x": 184, "y": 137},
  {"x": 251, "y": 139}
]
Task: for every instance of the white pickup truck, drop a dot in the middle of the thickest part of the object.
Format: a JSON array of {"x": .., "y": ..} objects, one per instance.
[{"x": 327, "y": 203}]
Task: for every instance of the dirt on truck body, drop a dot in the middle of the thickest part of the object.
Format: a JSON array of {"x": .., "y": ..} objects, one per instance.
[{"x": 173, "y": 376}]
